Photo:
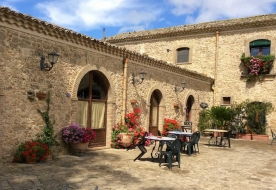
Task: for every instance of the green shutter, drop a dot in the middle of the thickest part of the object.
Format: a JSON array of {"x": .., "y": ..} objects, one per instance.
[{"x": 259, "y": 43}]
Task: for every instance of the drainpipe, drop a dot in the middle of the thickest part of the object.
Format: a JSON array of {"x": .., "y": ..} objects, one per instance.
[
  {"x": 125, "y": 61},
  {"x": 216, "y": 69}
]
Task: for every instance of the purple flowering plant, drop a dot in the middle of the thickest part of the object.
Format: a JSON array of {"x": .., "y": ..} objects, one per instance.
[{"x": 72, "y": 133}]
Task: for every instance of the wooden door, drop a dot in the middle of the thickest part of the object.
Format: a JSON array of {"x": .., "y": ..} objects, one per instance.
[
  {"x": 154, "y": 112},
  {"x": 92, "y": 98}
]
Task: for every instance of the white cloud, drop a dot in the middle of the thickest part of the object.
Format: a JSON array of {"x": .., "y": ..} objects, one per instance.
[
  {"x": 93, "y": 14},
  {"x": 197, "y": 11}
]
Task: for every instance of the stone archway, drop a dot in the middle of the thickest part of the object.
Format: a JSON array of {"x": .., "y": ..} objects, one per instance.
[
  {"x": 157, "y": 92},
  {"x": 110, "y": 101}
]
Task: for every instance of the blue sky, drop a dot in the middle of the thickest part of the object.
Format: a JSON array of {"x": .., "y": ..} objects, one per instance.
[{"x": 89, "y": 17}]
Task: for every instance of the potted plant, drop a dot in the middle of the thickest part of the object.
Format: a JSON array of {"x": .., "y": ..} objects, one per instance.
[
  {"x": 41, "y": 95},
  {"x": 252, "y": 120},
  {"x": 133, "y": 101},
  {"x": 77, "y": 137},
  {"x": 170, "y": 125},
  {"x": 258, "y": 65},
  {"x": 176, "y": 105},
  {"x": 31, "y": 152},
  {"x": 220, "y": 116},
  {"x": 125, "y": 135}
]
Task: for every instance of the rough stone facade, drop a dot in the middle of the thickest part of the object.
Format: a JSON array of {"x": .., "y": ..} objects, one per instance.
[
  {"x": 215, "y": 50},
  {"x": 24, "y": 39}
]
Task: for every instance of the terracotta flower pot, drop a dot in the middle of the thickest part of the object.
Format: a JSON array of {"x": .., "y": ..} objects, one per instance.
[
  {"x": 175, "y": 105},
  {"x": 126, "y": 139},
  {"x": 41, "y": 95},
  {"x": 30, "y": 160},
  {"x": 79, "y": 146},
  {"x": 133, "y": 101}
]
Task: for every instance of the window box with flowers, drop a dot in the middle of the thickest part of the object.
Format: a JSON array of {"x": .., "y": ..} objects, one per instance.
[{"x": 258, "y": 66}]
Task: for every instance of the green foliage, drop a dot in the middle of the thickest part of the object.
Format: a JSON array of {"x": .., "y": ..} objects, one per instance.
[
  {"x": 256, "y": 116},
  {"x": 204, "y": 121},
  {"x": 220, "y": 116},
  {"x": 264, "y": 58},
  {"x": 257, "y": 65},
  {"x": 47, "y": 136}
]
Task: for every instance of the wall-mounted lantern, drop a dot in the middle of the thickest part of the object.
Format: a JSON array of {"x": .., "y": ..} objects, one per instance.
[
  {"x": 141, "y": 77},
  {"x": 181, "y": 88},
  {"x": 52, "y": 57}
]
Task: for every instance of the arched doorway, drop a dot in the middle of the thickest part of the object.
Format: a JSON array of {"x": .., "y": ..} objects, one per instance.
[
  {"x": 189, "y": 105},
  {"x": 155, "y": 100},
  {"x": 92, "y": 103}
]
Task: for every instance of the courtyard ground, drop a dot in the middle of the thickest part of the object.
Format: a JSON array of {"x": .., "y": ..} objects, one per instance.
[{"x": 246, "y": 165}]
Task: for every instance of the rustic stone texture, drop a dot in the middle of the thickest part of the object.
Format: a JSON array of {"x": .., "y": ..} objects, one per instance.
[
  {"x": 231, "y": 45},
  {"x": 19, "y": 63}
]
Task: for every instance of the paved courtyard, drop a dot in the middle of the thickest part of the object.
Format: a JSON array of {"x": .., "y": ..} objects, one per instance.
[{"x": 247, "y": 165}]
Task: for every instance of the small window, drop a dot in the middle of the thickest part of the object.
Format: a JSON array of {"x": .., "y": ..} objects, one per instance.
[
  {"x": 260, "y": 47},
  {"x": 226, "y": 100},
  {"x": 182, "y": 55}
]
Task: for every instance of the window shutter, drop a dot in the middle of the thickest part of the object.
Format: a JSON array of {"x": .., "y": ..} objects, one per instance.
[{"x": 182, "y": 55}]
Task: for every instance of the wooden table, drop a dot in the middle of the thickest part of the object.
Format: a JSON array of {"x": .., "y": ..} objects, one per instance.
[{"x": 220, "y": 131}]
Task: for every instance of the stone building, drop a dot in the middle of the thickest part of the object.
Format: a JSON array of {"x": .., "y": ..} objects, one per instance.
[
  {"x": 214, "y": 49},
  {"x": 92, "y": 83}
]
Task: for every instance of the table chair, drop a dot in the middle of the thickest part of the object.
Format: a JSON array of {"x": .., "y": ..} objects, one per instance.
[
  {"x": 168, "y": 154},
  {"x": 161, "y": 143},
  {"x": 273, "y": 136},
  {"x": 141, "y": 146},
  {"x": 226, "y": 139},
  {"x": 192, "y": 142},
  {"x": 187, "y": 126}
]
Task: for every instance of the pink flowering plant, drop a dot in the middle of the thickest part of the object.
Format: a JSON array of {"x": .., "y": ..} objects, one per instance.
[
  {"x": 75, "y": 134},
  {"x": 258, "y": 65},
  {"x": 131, "y": 125}
]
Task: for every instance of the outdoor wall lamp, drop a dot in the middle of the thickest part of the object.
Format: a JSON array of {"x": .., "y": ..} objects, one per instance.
[
  {"x": 181, "y": 88},
  {"x": 135, "y": 79},
  {"x": 53, "y": 57}
]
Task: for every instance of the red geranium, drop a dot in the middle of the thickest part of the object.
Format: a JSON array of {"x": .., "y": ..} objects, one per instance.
[
  {"x": 89, "y": 135},
  {"x": 35, "y": 149},
  {"x": 170, "y": 125}
]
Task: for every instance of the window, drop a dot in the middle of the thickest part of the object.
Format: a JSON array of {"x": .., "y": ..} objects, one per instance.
[
  {"x": 182, "y": 55},
  {"x": 226, "y": 101},
  {"x": 260, "y": 47}
]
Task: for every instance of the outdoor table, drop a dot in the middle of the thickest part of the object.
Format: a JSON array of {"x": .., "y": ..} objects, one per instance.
[
  {"x": 178, "y": 133},
  {"x": 220, "y": 131},
  {"x": 155, "y": 138},
  {"x": 188, "y": 134}
]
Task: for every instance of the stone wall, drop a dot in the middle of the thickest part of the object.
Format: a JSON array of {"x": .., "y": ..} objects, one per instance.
[
  {"x": 20, "y": 73},
  {"x": 231, "y": 45}
]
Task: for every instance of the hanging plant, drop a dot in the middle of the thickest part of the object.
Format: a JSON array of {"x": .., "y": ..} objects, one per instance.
[{"x": 257, "y": 65}]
